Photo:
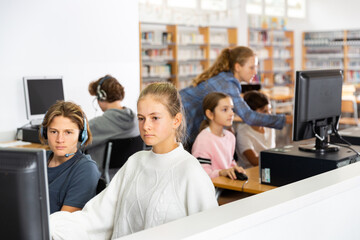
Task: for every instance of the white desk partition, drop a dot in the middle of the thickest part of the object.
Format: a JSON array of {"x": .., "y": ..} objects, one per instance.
[{"x": 326, "y": 206}]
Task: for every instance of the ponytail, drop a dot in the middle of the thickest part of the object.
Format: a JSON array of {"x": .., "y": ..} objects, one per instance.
[
  {"x": 204, "y": 124},
  {"x": 225, "y": 62},
  {"x": 221, "y": 64}
]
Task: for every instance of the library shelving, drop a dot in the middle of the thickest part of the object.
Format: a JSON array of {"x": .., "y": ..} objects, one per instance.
[
  {"x": 333, "y": 49},
  {"x": 177, "y": 53},
  {"x": 275, "y": 51}
]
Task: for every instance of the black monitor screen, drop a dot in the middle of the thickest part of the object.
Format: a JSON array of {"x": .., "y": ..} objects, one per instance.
[
  {"x": 24, "y": 204},
  {"x": 40, "y": 94},
  {"x": 317, "y": 106},
  {"x": 249, "y": 87}
]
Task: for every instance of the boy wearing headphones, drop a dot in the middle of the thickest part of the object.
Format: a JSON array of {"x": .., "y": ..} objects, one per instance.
[
  {"x": 117, "y": 121},
  {"x": 72, "y": 175}
]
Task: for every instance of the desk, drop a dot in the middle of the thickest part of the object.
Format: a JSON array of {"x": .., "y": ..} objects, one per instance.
[
  {"x": 252, "y": 186},
  {"x": 34, "y": 145},
  {"x": 31, "y": 145}
]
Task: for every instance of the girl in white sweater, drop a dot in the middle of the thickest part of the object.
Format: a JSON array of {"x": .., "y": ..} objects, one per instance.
[{"x": 153, "y": 187}]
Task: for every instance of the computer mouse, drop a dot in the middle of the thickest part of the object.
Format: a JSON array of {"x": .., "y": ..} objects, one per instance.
[{"x": 241, "y": 176}]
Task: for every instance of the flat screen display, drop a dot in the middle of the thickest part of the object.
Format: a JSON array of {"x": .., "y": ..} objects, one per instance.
[
  {"x": 24, "y": 201},
  {"x": 41, "y": 93}
]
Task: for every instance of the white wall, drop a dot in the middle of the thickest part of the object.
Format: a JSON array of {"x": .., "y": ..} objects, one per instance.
[
  {"x": 79, "y": 39},
  {"x": 324, "y": 15}
]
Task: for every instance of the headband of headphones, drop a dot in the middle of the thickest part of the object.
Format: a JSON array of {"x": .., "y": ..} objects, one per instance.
[
  {"x": 83, "y": 136},
  {"x": 101, "y": 94}
]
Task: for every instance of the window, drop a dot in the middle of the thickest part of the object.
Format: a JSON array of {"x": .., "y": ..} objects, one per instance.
[
  {"x": 277, "y": 8},
  {"x": 214, "y": 5},
  {"x": 296, "y": 8},
  {"x": 182, "y": 3},
  {"x": 254, "y": 7},
  {"x": 153, "y": 2}
]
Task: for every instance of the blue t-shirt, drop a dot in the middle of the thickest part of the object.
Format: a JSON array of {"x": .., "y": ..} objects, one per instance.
[{"x": 73, "y": 183}]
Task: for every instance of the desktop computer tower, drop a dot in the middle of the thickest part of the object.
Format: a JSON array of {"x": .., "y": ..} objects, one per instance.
[
  {"x": 29, "y": 134},
  {"x": 280, "y": 166},
  {"x": 352, "y": 135}
]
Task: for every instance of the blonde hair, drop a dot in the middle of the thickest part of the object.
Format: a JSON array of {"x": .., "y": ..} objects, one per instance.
[
  {"x": 166, "y": 94},
  {"x": 225, "y": 62},
  {"x": 210, "y": 102},
  {"x": 69, "y": 110}
]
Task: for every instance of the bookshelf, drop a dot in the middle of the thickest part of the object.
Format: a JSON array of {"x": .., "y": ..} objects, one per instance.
[
  {"x": 333, "y": 49},
  {"x": 178, "y": 53},
  {"x": 275, "y": 50}
]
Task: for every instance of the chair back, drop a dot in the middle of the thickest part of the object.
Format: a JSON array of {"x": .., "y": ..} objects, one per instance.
[
  {"x": 117, "y": 152},
  {"x": 349, "y": 112},
  {"x": 101, "y": 185}
]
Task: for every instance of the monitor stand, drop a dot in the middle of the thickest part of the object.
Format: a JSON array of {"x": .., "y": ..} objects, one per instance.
[
  {"x": 321, "y": 143},
  {"x": 36, "y": 122}
]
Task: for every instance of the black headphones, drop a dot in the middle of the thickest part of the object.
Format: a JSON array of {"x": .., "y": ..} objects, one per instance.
[
  {"x": 83, "y": 136},
  {"x": 101, "y": 94}
]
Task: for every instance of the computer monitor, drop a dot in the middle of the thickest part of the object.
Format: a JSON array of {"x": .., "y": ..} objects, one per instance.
[
  {"x": 317, "y": 107},
  {"x": 249, "y": 87},
  {"x": 40, "y": 94},
  {"x": 24, "y": 201}
]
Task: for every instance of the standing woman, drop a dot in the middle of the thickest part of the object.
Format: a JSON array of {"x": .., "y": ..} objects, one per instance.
[
  {"x": 117, "y": 121},
  {"x": 230, "y": 68},
  {"x": 72, "y": 175}
]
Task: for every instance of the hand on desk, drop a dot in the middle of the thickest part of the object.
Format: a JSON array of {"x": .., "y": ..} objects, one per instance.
[{"x": 230, "y": 172}]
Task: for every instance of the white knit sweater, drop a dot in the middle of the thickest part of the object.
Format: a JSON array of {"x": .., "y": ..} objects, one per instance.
[{"x": 149, "y": 190}]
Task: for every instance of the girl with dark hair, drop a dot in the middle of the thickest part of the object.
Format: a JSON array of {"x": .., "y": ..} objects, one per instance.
[{"x": 214, "y": 147}]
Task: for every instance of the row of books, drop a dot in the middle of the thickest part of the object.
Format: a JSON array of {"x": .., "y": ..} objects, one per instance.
[
  {"x": 161, "y": 71},
  {"x": 163, "y": 54},
  {"x": 156, "y": 37},
  {"x": 322, "y": 64},
  {"x": 353, "y": 76},
  {"x": 190, "y": 69},
  {"x": 324, "y": 35},
  {"x": 354, "y": 64},
  {"x": 354, "y": 34},
  {"x": 185, "y": 38},
  {"x": 354, "y": 51},
  {"x": 220, "y": 38},
  {"x": 263, "y": 54},
  {"x": 191, "y": 54},
  {"x": 324, "y": 42}
]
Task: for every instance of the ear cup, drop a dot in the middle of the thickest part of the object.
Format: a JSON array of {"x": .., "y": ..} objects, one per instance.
[
  {"x": 43, "y": 132},
  {"x": 101, "y": 94},
  {"x": 83, "y": 136}
]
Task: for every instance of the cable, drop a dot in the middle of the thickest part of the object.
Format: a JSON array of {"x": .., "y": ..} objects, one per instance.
[
  {"x": 242, "y": 188},
  {"x": 95, "y": 108},
  {"x": 316, "y": 135},
  {"x": 346, "y": 146},
  {"x": 346, "y": 142}
]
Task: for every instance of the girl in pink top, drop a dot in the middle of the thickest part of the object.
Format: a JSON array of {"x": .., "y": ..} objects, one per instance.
[{"x": 215, "y": 146}]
